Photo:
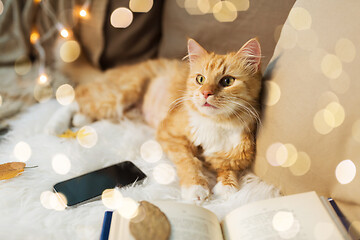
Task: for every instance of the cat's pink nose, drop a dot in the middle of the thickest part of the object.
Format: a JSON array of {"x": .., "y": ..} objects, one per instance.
[{"x": 207, "y": 93}]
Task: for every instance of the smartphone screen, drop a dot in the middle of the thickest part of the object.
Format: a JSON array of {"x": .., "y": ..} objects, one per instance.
[{"x": 91, "y": 185}]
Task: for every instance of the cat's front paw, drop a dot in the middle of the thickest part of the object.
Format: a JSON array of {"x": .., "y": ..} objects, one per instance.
[
  {"x": 61, "y": 119},
  {"x": 195, "y": 193},
  {"x": 224, "y": 191},
  {"x": 56, "y": 126}
]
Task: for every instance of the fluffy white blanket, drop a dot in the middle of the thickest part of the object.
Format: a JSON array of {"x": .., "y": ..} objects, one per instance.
[{"x": 22, "y": 214}]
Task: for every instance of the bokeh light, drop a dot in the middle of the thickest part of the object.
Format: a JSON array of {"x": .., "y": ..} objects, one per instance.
[
  {"x": 291, "y": 155},
  {"x": 330, "y": 117},
  {"x": 281, "y": 155},
  {"x": 345, "y": 171},
  {"x": 338, "y": 113},
  {"x": 43, "y": 92},
  {"x": 204, "y": 6},
  {"x": 241, "y": 5},
  {"x": 164, "y": 173},
  {"x": 83, "y": 13},
  {"x": 22, "y": 151},
  {"x": 45, "y": 198},
  {"x": 345, "y": 50},
  {"x": 300, "y": 18},
  {"x": 291, "y": 232},
  {"x": 22, "y": 65},
  {"x": 140, "y": 214},
  {"x": 272, "y": 93},
  {"x": 331, "y": 66},
  {"x": 61, "y": 164},
  {"x": 121, "y": 18},
  {"x": 212, "y": 3},
  {"x": 51, "y": 200},
  {"x": 225, "y": 11},
  {"x": 65, "y": 94},
  {"x": 321, "y": 121},
  {"x": 34, "y": 37},
  {"x": 70, "y": 51},
  {"x": 323, "y": 230},
  {"x": 111, "y": 198},
  {"x": 58, "y": 201},
  {"x": 301, "y": 165},
  {"x": 128, "y": 208},
  {"x": 1, "y": 7},
  {"x": 276, "y": 154},
  {"x": 356, "y": 130},
  {"x": 192, "y": 7},
  {"x": 141, "y": 5},
  {"x": 43, "y": 79},
  {"x": 283, "y": 221},
  {"x": 198, "y": 7},
  {"x": 151, "y": 151},
  {"x": 64, "y": 33},
  {"x": 87, "y": 137}
]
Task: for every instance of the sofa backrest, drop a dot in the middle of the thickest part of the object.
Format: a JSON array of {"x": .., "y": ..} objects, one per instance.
[
  {"x": 261, "y": 18},
  {"x": 178, "y": 21}
]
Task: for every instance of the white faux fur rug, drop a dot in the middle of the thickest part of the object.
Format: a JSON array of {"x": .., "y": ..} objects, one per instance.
[{"x": 23, "y": 216}]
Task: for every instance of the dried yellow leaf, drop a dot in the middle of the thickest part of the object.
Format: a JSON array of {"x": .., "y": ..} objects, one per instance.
[
  {"x": 82, "y": 133},
  {"x": 69, "y": 134},
  {"x": 10, "y": 170}
]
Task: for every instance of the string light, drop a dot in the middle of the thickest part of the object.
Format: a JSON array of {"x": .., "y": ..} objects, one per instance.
[
  {"x": 64, "y": 33},
  {"x": 83, "y": 13},
  {"x": 43, "y": 78},
  {"x": 34, "y": 37}
]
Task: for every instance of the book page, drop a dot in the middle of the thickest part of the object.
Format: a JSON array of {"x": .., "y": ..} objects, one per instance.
[
  {"x": 189, "y": 221},
  {"x": 119, "y": 228},
  {"x": 300, "y": 216}
]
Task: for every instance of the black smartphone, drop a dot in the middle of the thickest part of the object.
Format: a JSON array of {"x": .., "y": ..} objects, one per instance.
[{"x": 89, "y": 186}]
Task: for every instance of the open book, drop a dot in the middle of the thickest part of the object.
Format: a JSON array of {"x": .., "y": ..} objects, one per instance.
[{"x": 299, "y": 216}]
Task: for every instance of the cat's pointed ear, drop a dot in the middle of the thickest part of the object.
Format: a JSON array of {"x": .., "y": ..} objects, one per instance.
[
  {"x": 251, "y": 51},
  {"x": 195, "y": 50}
]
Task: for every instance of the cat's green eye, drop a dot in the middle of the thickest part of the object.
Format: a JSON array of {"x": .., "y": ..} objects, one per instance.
[
  {"x": 200, "y": 79},
  {"x": 227, "y": 81}
]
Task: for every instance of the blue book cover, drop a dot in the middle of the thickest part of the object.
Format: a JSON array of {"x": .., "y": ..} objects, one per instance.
[{"x": 106, "y": 225}]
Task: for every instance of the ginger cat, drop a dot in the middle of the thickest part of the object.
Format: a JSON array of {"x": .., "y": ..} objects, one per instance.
[{"x": 205, "y": 111}]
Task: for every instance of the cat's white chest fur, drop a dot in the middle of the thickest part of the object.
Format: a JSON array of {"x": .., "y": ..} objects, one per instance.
[{"x": 212, "y": 136}]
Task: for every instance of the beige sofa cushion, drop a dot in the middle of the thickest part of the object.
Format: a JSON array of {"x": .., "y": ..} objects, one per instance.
[
  {"x": 262, "y": 19},
  {"x": 310, "y": 134}
]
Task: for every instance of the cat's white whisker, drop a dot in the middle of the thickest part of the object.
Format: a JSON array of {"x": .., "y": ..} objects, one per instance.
[
  {"x": 237, "y": 115},
  {"x": 178, "y": 101},
  {"x": 251, "y": 112}
]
